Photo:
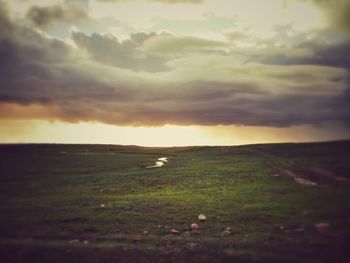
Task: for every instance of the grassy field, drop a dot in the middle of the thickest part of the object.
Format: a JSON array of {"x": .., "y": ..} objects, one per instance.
[{"x": 100, "y": 203}]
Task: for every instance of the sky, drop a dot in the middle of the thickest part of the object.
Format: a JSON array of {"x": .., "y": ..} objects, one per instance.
[{"x": 174, "y": 72}]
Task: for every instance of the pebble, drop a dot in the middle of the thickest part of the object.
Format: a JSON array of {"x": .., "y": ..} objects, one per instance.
[
  {"x": 202, "y": 217},
  {"x": 103, "y": 206},
  {"x": 226, "y": 232},
  {"x": 194, "y": 227},
  {"x": 322, "y": 226},
  {"x": 174, "y": 232}
]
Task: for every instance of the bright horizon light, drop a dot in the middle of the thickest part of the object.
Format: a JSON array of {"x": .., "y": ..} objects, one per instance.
[{"x": 166, "y": 136}]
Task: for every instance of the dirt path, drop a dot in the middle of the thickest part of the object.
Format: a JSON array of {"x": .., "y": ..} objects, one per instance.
[
  {"x": 312, "y": 176},
  {"x": 329, "y": 174},
  {"x": 270, "y": 162},
  {"x": 298, "y": 178}
]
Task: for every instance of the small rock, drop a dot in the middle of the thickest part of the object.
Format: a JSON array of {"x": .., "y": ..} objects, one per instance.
[
  {"x": 194, "y": 227},
  {"x": 202, "y": 217},
  {"x": 276, "y": 175},
  {"x": 85, "y": 242},
  {"x": 103, "y": 206},
  {"x": 73, "y": 241},
  {"x": 322, "y": 226},
  {"x": 174, "y": 232},
  {"x": 145, "y": 232},
  {"x": 225, "y": 233}
]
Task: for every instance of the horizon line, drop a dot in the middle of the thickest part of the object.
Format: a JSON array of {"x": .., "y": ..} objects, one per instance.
[{"x": 178, "y": 146}]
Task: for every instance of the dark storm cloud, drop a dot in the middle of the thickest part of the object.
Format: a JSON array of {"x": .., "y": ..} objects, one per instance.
[
  {"x": 46, "y": 78},
  {"x": 48, "y": 15},
  {"x": 336, "y": 55},
  {"x": 287, "y": 47}
]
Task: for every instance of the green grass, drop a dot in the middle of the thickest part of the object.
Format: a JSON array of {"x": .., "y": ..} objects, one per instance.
[{"x": 51, "y": 194}]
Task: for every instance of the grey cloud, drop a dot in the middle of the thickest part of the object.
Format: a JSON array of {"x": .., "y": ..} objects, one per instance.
[
  {"x": 126, "y": 54},
  {"x": 339, "y": 12},
  {"x": 289, "y": 47},
  {"x": 43, "y": 78},
  {"x": 297, "y": 48},
  {"x": 175, "y": 44},
  {"x": 335, "y": 55},
  {"x": 71, "y": 13},
  {"x": 82, "y": 3}
]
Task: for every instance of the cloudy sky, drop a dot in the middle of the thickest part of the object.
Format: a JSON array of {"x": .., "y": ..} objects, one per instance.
[{"x": 174, "y": 72}]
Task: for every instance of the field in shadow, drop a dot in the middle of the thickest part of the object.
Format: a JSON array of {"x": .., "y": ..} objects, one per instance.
[{"x": 103, "y": 203}]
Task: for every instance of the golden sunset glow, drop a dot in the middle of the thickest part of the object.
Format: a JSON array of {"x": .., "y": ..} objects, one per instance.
[{"x": 168, "y": 135}]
